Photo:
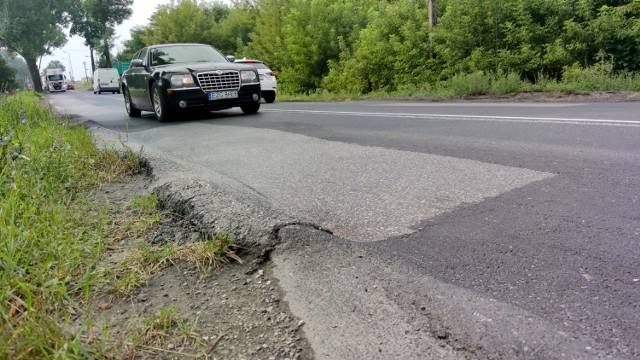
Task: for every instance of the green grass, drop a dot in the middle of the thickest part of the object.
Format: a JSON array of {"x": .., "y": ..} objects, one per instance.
[
  {"x": 143, "y": 261},
  {"x": 51, "y": 236},
  {"x": 158, "y": 329},
  {"x": 84, "y": 85},
  {"x": 575, "y": 80},
  {"x": 54, "y": 240}
]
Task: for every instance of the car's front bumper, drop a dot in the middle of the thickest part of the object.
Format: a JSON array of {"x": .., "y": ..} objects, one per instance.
[
  {"x": 269, "y": 85},
  {"x": 195, "y": 98}
]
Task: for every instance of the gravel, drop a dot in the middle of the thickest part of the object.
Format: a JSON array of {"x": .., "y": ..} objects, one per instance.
[{"x": 232, "y": 312}]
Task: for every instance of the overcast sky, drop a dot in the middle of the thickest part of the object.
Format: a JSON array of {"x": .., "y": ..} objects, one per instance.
[{"x": 78, "y": 54}]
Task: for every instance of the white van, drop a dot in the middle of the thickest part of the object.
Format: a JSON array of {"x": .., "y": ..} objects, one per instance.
[{"x": 106, "y": 79}]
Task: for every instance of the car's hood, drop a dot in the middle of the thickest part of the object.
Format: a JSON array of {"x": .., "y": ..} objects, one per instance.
[{"x": 201, "y": 66}]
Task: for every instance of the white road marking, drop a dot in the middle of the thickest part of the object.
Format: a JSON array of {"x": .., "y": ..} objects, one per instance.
[
  {"x": 477, "y": 104},
  {"x": 513, "y": 119}
]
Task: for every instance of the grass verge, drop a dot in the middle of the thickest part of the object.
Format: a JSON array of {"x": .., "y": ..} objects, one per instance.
[
  {"x": 53, "y": 238},
  {"x": 575, "y": 80}
]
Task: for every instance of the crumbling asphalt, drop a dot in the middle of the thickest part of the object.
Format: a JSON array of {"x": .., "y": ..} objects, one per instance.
[{"x": 355, "y": 303}]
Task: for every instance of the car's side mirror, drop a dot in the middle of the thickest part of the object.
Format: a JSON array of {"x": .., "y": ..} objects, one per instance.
[
  {"x": 231, "y": 58},
  {"x": 137, "y": 63}
]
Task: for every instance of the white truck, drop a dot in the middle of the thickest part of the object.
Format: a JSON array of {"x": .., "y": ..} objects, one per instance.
[{"x": 54, "y": 80}]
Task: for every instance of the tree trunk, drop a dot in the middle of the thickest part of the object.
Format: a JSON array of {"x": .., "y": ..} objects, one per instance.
[
  {"x": 432, "y": 14},
  {"x": 35, "y": 74},
  {"x": 432, "y": 23},
  {"x": 93, "y": 63},
  {"x": 107, "y": 55}
]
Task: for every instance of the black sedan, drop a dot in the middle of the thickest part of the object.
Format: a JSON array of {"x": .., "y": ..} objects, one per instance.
[{"x": 173, "y": 78}]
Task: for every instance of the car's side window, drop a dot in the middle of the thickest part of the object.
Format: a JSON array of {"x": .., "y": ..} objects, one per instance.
[
  {"x": 156, "y": 58},
  {"x": 143, "y": 56}
]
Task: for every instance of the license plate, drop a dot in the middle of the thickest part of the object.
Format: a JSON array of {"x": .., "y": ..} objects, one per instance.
[{"x": 217, "y": 95}]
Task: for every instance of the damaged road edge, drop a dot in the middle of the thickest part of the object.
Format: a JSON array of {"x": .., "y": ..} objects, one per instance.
[{"x": 355, "y": 303}]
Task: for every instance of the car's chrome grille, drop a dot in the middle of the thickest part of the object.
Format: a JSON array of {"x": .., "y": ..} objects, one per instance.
[{"x": 219, "y": 80}]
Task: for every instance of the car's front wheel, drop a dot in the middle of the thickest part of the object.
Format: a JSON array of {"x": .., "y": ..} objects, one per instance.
[
  {"x": 250, "y": 108},
  {"x": 128, "y": 105},
  {"x": 159, "y": 106}
]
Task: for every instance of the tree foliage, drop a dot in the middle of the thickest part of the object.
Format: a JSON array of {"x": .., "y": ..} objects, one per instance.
[
  {"x": 56, "y": 64},
  {"x": 23, "y": 77},
  {"x": 33, "y": 28},
  {"x": 7, "y": 76},
  {"x": 95, "y": 21},
  {"x": 216, "y": 23},
  {"x": 362, "y": 46},
  {"x": 137, "y": 42}
]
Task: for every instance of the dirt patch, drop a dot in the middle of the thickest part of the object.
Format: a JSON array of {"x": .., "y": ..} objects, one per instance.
[{"x": 234, "y": 311}]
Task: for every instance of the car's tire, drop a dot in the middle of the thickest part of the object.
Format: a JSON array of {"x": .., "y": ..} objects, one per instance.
[
  {"x": 95, "y": 92},
  {"x": 159, "y": 106},
  {"x": 269, "y": 97},
  {"x": 113, "y": 92},
  {"x": 250, "y": 108},
  {"x": 128, "y": 105}
]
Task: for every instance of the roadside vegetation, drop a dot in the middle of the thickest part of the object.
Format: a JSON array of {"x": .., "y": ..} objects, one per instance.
[
  {"x": 54, "y": 239},
  {"x": 330, "y": 49},
  {"x": 575, "y": 81}
]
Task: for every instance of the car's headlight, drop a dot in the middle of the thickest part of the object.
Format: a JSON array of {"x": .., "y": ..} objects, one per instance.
[
  {"x": 180, "y": 80},
  {"x": 248, "y": 76}
]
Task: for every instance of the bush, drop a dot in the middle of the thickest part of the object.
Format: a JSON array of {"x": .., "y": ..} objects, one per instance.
[{"x": 477, "y": 83}]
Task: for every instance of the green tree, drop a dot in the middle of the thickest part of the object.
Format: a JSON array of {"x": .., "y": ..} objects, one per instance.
[
  {"x": 85, "y": 27},
  {"x": 217, "y": 24},
  {"x": 131, "y": 46},
  {"x": 531, "y": 38},
  {"x": 234, "y": 29},
  {"x": 267, "y": 39},
  {"x": 391, "y": 52},
  {"x": 7, "y": 76},
  {"x": 312, "y": 33},
  {"x": 33, "y": 28},
  {"x": 55, "y": 64},
  {"x": 95, "y": 21},
  {"x": 614, "y": 35},
  {"x": 23, "y": 77},
  {"x": 185, "y": 21}
]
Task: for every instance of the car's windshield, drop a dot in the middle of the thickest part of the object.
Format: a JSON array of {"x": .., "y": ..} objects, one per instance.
[
  {"x": 185, "y": 54},
  {"x": 56, "y": 77}
]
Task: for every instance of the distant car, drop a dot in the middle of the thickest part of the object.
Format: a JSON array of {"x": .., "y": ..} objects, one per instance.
[
  {"x": 70, "y": 86},
  {"x": 106, "y": 80},
  {"x": 268, "y": 82},
  {"x": 172, "y": 78}
]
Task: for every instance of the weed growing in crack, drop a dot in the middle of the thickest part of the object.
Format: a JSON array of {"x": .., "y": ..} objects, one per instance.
[
  {"x": 160, "y": 328},
  {"x": 211, "y": 252},
  {"x": 144, "y": 260}
]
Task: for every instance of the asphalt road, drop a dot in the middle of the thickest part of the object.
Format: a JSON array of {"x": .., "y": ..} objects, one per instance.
[{"x": 532, "y": 206}]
